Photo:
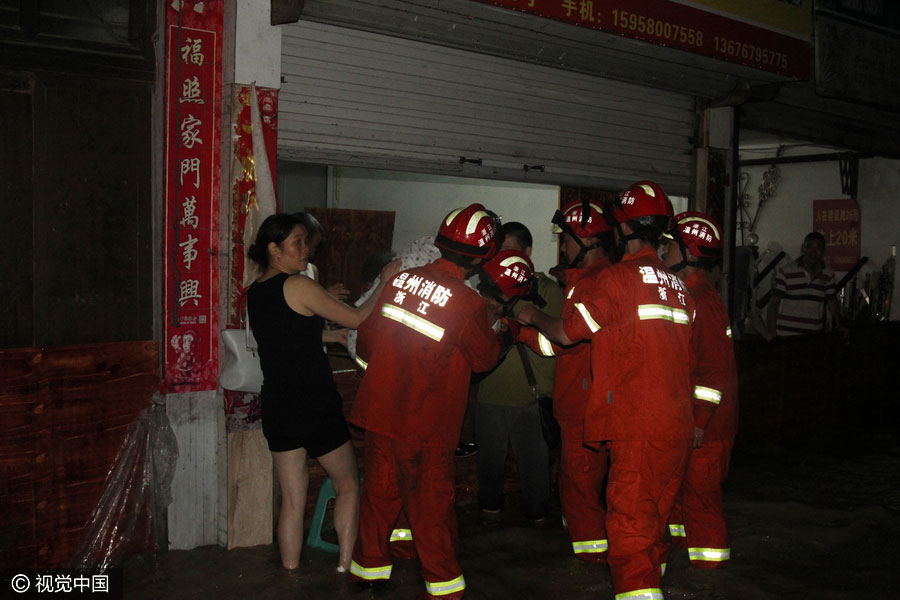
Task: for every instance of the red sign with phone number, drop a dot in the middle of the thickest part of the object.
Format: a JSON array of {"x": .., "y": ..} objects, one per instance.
[{"x": 677, "y": 25}]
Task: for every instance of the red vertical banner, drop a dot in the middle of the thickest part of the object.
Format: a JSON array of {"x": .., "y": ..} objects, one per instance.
[
  {"x": 838, "y": 221},
  {"x": 191, "y": 224}
]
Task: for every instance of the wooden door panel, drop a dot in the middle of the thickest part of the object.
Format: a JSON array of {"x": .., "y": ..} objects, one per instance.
[{"x": 350, "y": 236}]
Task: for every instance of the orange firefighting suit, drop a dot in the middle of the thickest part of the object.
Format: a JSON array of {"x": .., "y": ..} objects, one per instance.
[
  {"x": 698, "y": 520},
  {"x": 427, "y": 333},
  {"x": 582, "y": 469},
  {"x": 638, "y": 316}
]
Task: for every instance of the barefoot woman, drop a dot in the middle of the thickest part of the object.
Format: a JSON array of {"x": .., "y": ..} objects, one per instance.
[{"x": 301, "y": 408}]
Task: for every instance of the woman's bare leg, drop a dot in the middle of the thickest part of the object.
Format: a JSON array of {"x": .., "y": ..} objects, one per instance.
[
  {"x": 293, "y": 479},
  {"x": 340, "y": 464}
]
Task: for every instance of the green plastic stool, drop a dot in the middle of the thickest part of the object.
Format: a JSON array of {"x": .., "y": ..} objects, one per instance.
[{"x": 314, "y": 538}]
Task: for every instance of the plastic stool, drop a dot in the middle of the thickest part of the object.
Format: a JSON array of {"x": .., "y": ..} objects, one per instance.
[{"x": 314, "y": 538}]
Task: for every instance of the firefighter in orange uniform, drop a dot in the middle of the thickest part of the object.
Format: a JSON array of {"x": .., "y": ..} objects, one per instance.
[
  {"x": 698, "y": 521},
  {"x": 587, "y": 241},
  {"x": 427, "y": 333},
  {"x": 637, "y": 316}
]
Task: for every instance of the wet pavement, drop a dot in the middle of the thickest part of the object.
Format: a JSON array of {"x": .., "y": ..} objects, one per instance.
[{"x": 820, "y": 522}]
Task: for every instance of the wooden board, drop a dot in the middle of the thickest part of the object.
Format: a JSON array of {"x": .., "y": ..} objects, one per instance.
[{"x": 64, "y": 413}]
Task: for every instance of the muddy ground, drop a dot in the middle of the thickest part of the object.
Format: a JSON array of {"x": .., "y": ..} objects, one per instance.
[{"x": 821, "y": 521}]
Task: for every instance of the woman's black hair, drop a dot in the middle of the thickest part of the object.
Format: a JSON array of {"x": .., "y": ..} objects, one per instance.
[
  {"x": 310, "y": 223},
  {"x": 276, "y": 228}
]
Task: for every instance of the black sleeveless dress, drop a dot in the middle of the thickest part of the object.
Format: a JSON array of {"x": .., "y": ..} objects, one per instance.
[{"x": 301, "y": 407}]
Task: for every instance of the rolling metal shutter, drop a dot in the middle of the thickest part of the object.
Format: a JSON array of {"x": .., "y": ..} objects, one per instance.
[{"x": 351, "y": 97}]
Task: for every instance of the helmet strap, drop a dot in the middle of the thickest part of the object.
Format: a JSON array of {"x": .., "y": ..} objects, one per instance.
[
  {"x": 622, "y": 242},
  {"x": 584, "y": 250},
  {"x": 560, "y": 221},
  {"x": 585, "y": 211},
  {"x": 684, "y": 252}
]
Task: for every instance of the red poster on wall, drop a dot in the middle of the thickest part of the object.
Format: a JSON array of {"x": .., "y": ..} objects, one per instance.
[
  {"x": 193, "y": 132},
  {"x": 838, "y": 221}
]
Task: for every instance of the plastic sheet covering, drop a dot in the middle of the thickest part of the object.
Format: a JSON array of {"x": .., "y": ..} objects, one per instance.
[
  {"x": 418, "y": 254},
  {"x": 130, "y": 516}
]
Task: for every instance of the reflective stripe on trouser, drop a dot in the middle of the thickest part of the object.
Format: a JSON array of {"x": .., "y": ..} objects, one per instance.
[
  {"x": 707, "y": 394},
  {"x": 379, "y": 509},
  {"x": 590, "y": 546},
  {"x": 402, "y": 545},
  {"x": 709, "y": 554},
  {"x": 700, "y": 503},
  {"x": 581, "y": 474},
  {"x": 645, "y": 594},
  {"x": 370, "y": 573},
  {"x": 444, "y": 588},
  {"x": 427, "y": 498},
  {"x": 644, "y": 479},
  {"x": 401, "y": 535}
]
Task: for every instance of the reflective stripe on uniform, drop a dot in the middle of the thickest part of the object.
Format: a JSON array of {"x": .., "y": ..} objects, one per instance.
[
  {"x": 363, "y": 364},
  {"x": 710, "y": 554},
  {"x": 728, "y": 332},
  {"x": 401, "y": 535},
  {"x": 591, "y": 323},
  {"x": 414, "y": 322},
  {"x": 370, "y": 574},
  {"x": 661, "y": 311},
  {"x": 708, "y": 394},
  {"x": 645, "y": 594},
  {"x": 442, "y": 588},
  {"x": 676, "y": 530},
  {"x": 571, "y": 291},
  {"x": 590, "y": 546},
  {"x": 545, "y": 345},
  {"x": 662, "y": 570}
]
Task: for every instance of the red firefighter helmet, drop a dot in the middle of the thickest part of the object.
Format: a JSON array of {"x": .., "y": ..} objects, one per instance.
[
  {"x": 468, "y": 231},
  {"x": 642, "y": 199},
  {"x": 584, "y": 226},
  {"x": 511, "y": 271},
  {"x": 699, "y": 233}
]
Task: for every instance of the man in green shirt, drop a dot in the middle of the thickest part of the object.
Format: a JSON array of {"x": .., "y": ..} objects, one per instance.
[{"x": 507, "y": 410}]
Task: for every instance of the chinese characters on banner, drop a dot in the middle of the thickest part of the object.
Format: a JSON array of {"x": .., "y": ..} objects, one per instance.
[
  {"x": 838, "y": 221},
  {"x": 193, "y": 107},
  {"x": 771, "y": 35}
]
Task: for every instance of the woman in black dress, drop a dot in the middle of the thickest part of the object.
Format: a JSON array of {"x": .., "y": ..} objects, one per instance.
[{"x": 301, "y": 408}]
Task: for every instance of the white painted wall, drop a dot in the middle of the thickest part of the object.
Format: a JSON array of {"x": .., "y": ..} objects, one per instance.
[
  {"x": 788, "y": 216},
  {"x": 420, "y": 201},
  {"x": 257, "y": 45}
]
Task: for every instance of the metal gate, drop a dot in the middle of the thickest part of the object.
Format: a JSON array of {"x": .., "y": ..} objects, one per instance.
[{"x": 351, "y": 97}]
